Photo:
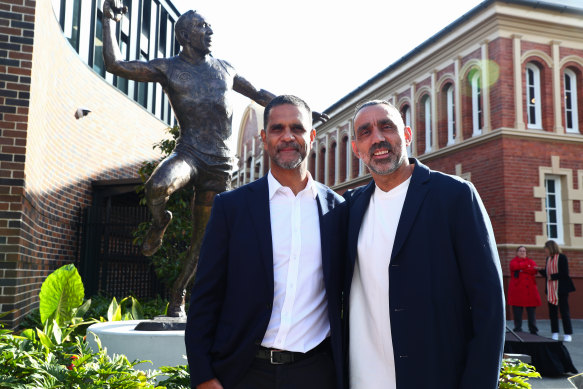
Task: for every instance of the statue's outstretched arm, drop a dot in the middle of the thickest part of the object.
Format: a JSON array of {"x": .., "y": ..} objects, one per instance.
[
  {"x": 263, "y": 97},
  {"x": 113, "y": 11}
]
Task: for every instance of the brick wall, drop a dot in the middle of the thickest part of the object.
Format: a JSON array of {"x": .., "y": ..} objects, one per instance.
[{"x": 53, "y": 157}]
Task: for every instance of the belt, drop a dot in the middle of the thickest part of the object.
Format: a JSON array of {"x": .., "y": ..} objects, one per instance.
[{"x": 281, "y": 357}]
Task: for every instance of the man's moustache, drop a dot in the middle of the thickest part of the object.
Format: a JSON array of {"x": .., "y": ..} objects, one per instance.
[
  {"x": 378, "y": 146},
  {"x": 292, "y": 145}
]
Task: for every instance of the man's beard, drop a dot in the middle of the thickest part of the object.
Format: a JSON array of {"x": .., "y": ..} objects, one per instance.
[
  {"x": 388, "y": 165},
  {"x": 290, "y": 164}
]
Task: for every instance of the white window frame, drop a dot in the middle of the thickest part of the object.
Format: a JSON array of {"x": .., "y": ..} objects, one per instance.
[
  {"x": 407, "y": 112},
  {"x": 428, "y": 132},
  {"x": 572, "y": 94},
  {"x": 475, "y": 81},
  {"x": 450, "y": 107},
  {"x": 556, "y": 195},
  {"x": 348, "y": 151},
  {"x": 533, "y": 92}
]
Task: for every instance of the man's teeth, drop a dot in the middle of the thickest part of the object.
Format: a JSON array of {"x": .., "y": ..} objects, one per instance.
[{"x": 381, "y": 152}]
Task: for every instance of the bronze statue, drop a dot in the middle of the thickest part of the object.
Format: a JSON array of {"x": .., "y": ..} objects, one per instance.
[{"x": 198, "y": 87}]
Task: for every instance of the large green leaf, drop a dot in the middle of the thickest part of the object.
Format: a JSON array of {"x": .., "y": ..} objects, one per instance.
[{"x": 60, "y": 293}]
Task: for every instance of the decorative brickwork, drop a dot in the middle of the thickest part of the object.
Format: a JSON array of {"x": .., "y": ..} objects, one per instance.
[{"x": 48, "y": 158}]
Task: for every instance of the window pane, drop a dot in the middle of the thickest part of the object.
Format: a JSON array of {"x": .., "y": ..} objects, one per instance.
[{"x": 553, "y": 231}]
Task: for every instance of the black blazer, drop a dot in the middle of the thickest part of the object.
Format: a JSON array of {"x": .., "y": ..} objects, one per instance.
[
  {"x": 566, "y": 285},
  {"x": 232, "y": 295},
  {"x": 445, "y": 284}
]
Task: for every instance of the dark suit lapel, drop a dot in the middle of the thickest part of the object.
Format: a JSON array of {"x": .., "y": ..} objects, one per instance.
[
  {"x": 357, "y": 210},
  {"x": 417, "y": 191},
  {"x": 257, "y": 201},
  {"x": 324, "y": 200}
]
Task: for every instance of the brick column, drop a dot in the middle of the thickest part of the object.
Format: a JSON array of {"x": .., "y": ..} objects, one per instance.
[{"x": 16, "y": 45}]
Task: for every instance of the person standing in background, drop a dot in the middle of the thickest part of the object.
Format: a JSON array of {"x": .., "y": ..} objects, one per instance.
[
  {"x": 522, "y": 290},
  {"x": 558, "y": 287}
]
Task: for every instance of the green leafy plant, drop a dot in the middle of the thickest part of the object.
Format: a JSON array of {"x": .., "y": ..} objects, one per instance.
[
  {"x": 514, "y": 374},
  {"x": 58, "y": 356},
  {"x": 61, "y": 295},
  {"x": 168, "y": 258}
]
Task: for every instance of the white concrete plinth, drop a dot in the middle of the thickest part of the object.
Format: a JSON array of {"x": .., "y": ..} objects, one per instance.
[{"x": 163, "y": 348}]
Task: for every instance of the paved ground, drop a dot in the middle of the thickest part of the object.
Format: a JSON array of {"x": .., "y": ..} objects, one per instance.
[{"x": 575, "y": 350}]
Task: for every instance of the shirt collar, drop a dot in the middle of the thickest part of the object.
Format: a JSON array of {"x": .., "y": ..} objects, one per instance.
[{"x": 274, "y": 185}]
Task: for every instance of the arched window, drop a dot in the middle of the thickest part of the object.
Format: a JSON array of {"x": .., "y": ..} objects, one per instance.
[
  {"x": 321, "y": 173},
  {"x": 312, "y": 165},
  {"x": 450, "y": 114},
  {"x": 571, "y": 106},
  {"x": 533, "y": 96},
  {"x": 476, "y": 83},
  {"x": 428, "y": 130},
  {"x": 407, "y": 120},
  {"x": 331, "y": 165}
]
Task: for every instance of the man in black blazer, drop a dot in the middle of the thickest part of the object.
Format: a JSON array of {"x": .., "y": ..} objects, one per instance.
[
  {"x": 423, "y": 286},
  {"x": 265, "y": 306}
]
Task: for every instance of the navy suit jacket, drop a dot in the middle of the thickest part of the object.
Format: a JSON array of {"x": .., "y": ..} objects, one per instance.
[
  {"x": 445, "y": 284},
  {"x": 232, "y": 295}
]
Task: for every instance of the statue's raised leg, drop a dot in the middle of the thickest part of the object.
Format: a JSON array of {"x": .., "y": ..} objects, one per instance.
[
  {"x": 171, "y": 174},
  {"x": 201, "y": 212}
]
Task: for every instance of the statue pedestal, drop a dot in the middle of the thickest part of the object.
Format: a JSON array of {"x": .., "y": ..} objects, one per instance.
[{"x": 163, "y": 348}]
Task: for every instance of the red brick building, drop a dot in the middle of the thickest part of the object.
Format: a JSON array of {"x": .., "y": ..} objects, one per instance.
[
  {"x": 496, "y": 98},
  {"x": 48, "y": 158}
]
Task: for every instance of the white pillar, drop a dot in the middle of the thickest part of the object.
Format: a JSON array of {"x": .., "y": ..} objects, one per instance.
[
  {"x": 317, "y": 161},
  {"x": 559, "y": 129},
  {"x": 245, "y": 164},
  {"x": 349, "y": 152},
  {"x": 252, "y": 175},
  {"x": 486, "y": 87},
  {"x": 434, "y": 129},
  {"x": 413, "y": 121},
  {"x": 458, "y": 100},
  {"x": 516, "y": 55},
  {"x": 337, "y": 157},
  {"x": 326, "y": 159}
]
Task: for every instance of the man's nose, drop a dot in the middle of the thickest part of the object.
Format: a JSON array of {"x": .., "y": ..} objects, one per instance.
[
  {"x": 288, "y": 134},
  {"x": 376, "y": 135}
]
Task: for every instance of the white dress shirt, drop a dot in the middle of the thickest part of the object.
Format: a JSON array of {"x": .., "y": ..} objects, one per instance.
[
  {"x": 372, "y": 363},
  {"x": 299, "y": 317}
]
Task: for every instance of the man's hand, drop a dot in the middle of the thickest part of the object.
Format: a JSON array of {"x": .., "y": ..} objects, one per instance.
[
  {"x": 319, "y": 116},
  {"x": 114, "y": 9},
  {"x": 210, "y": 384}
]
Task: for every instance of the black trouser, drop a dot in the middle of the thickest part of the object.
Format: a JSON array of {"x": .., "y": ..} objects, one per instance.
[
  {"x": 565, "y": 315},
  {"x": 517, "y": 313},
  {"x": 316, "y": 372}
]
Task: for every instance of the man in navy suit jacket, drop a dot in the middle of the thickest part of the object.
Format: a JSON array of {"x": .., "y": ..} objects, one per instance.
[
  {"x": 423, "y": 286},
  {"x": 265, "y": 306}
]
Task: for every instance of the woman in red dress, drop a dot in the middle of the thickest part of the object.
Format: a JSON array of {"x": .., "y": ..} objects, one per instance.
[{"x": 522, "y": 290}]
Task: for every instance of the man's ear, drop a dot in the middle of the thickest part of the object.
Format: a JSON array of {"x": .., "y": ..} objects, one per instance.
[
  {"x": 355, "y": 150},
  {"x": 263, "y": 136},
  {"x": 183, "y": 35},
  {"x": 312, "y": 135},
  {"x": 408, "y": 135}
]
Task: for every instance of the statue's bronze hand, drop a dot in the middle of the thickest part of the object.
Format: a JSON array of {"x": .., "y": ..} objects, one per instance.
[
  {"x": 319, "y": 116},
  {"x": 114, "y": 9}
]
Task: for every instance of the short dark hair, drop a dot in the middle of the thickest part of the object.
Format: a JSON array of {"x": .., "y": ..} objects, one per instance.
[
  {"x": 553, "y": 247},
  {"x": 370, "y": 103},
  {"x": 520, "y": 247},
  {"x": 282, "y": 100},
  {"x": 182, "y": 24}
]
